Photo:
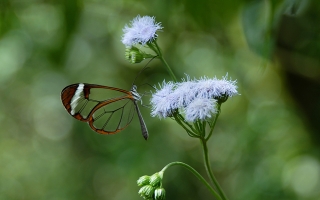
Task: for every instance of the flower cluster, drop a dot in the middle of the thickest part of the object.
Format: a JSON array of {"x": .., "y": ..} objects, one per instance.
[
  {"x": 140, "y": 31},
  {"x": 151, "y": 186},
  {"x": 196, "y": 98}
]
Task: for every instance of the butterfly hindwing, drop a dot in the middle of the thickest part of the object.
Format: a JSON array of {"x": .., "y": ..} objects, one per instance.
[{"x": 112, "y": 116}]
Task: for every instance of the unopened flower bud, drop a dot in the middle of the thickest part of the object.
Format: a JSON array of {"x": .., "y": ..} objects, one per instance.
[
  {"x": 156, "y": 179},
  {"x": 143, "y": 180},
  {"x": 135, "y": 55},
  {"x": 223, "y": 98},
  {"x": 160, "y": 194},
  {"x": 146, "y": 191}
]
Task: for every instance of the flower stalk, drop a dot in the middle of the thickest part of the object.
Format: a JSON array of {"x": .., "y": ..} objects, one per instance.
[
  {"x": 194, "y": 173},
  {"x": 158, "y": 50},
  {"x": 199, "y": 131},
  {"x": 212, "y": 124},
  {"x": 208, "y": 169}
]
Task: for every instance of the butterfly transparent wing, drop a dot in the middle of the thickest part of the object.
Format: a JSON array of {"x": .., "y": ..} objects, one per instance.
[
  {"x": 92, "y": 104},
  {"x": 113, "y": 116}
]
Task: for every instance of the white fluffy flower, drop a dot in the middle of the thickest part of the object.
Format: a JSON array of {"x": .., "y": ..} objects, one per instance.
[
  {"x": 196, "y": 98},
  {"x": 200, "y": 108},
  {"x": 164, "y": 101},
  {"x": 215, "y": 88},
  {"x": 140, "y": 31},
  {"x": 185, "y": 92}
]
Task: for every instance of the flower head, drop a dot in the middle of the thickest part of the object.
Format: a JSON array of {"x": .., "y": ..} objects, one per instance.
[
  {"x": 196, "y": 98},
  {"x": 164, "y": 101},
  {"x": 216, "y": 88},
  {"x": 200, "y": 108},
  {"x": 140, "y": 31},
  {"x": 185, "y": 92}
]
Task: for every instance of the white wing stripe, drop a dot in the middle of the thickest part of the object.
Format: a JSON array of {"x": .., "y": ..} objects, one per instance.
[{"x": 78, "y": 95}]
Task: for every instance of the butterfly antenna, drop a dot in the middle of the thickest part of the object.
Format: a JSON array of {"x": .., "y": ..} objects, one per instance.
[
  {"x": 148, "y": 85},
  {"x": 144, "y": 68}
]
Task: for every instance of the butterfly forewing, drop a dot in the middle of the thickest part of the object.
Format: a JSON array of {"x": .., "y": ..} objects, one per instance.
[{"x": 107, "y": 110}]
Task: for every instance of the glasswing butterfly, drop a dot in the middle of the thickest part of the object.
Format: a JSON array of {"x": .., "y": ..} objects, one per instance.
[{"x": 88, "y": 103}]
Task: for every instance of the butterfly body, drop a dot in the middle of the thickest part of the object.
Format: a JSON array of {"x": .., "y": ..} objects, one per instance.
[{"x": 104, "y": 115}]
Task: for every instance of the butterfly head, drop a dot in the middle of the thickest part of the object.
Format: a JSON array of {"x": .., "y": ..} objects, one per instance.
[{"x": 135, "y": 94}]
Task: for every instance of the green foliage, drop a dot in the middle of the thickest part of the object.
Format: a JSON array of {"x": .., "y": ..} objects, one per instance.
[{"x": 264, "y": 145}]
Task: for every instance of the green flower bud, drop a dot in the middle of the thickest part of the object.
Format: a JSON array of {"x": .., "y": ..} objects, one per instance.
[
  {"x": 143, "y": 180},
  {"x": 135, "y": 55},
  {"x": 156, "y": 179},
  {"x": 223, "y": 98},
  {"x": 146, "y": 191},
  {"x": 160, "y": 194}
]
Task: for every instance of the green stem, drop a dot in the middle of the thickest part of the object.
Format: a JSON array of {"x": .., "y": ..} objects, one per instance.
[
  {"x": 153, "y": 48},
  {"x": 214, "y": 122},
  {"x": 208, "y": 169},
  {"x": 164, "y": 62},
  {"x": 196, "y": 174},
  {"x": 176, "y": 117},
  {"x": 204, "y": 124},
  {"x": 186, "y": 123}
]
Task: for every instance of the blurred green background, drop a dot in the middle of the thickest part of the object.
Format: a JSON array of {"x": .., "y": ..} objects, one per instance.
[{"x": 266, "y": 142}]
